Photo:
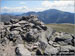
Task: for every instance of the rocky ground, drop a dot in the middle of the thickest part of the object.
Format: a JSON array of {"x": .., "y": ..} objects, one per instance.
[{"x": 30, "y": 37}]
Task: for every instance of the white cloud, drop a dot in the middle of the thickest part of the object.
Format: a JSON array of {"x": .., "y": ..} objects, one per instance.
[
  {"x": 60, "y": 5},
  {"x": 22, "y": 3},
  {"x": 20, "y": 9},
  {"x": 37, "y": 9},
  {"x": 14, "y": 9}
]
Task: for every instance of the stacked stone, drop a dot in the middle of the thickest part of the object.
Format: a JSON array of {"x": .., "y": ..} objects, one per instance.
[
  {"x": 27, "y": 26},
  {"x": 30, "y": 37},
  {"x": 21, "y": 31}
]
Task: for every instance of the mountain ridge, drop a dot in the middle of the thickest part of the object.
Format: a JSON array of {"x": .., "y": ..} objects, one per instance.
[{"x": 52, "y": 16}]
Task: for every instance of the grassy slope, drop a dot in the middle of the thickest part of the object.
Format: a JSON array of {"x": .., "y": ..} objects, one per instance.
[{"x": 68, "y": 28}]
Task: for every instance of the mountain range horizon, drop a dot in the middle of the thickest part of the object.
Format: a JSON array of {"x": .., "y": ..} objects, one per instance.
[
  {"x": 47, "y": 16},
  {"x": 19, "y": 13}
]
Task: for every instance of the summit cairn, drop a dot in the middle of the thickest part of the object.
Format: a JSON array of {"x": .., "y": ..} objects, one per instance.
[{"x": 29, "y": 36}]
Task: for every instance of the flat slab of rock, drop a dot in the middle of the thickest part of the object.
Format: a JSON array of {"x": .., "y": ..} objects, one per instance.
[{"x": 23, "y": 51}]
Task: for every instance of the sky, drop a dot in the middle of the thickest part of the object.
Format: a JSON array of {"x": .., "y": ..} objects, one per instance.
[{"x": 22, "y": 6}]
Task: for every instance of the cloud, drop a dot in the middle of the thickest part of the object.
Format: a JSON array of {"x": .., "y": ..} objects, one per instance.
[
  {"x": 22, "y": 3},
  {"x": 45, "y": 5},
  {"x": 37, "y": 9},
  {"x": 60, "y": 5},
  {"x": 14, "y": 9},
  {"x": 19, "y": 9}
]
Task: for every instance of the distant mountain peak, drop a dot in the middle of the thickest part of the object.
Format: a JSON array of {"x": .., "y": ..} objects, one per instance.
[{"x": 52, "y": 16}]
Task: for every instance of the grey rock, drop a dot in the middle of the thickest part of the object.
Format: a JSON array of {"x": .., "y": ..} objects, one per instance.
[
  {"x": 42, "y": 45},
  {"x": 30, "y": 38},
  {"x": 74, "y": 42},
  {"x": 16, "y": 25},
  {"x": 7, "y": 23},
  {"x": 42, "y": 37},
  {"x": 43, "y": 27},
  {"x": 38, "y": 52},
  {"x": 22, "y": 22},
  {"x": 22, "y": 51},
  {"x": 56, "y": 44},
  {"x": 49, "y": 32},
  {"x": 7, "y": 50},
  {"x": 15, "y": 32},
  {"x": 31, "y": 24},
  {"x": 62, "y": 43},
  {"x": 13, "y": 21},
  {"x": 18, "y": 40},
  {"x": 67, "y": 48},
  {"x": 17, "y": 29},
  {"x": 50, "y": 42},
  {"x": 51, "y": 50},
  {"x": 25, "y": 18},
  {"x": 11, "y": 37},
  {"x": 65, "y": 38}
]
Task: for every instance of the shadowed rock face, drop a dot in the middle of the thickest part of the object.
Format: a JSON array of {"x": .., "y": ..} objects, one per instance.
[{"x": 30, "y": 37}]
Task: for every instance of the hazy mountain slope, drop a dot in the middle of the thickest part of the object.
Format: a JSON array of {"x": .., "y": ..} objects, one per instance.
[
  {"x": 51, "y": 16},
  {"x": 5, "y": 18}
]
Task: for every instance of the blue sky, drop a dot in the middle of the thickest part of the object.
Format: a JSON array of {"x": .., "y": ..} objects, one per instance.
[
  {"x": 13, "y": 6},
  {"x": 21, "y": 3}
]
